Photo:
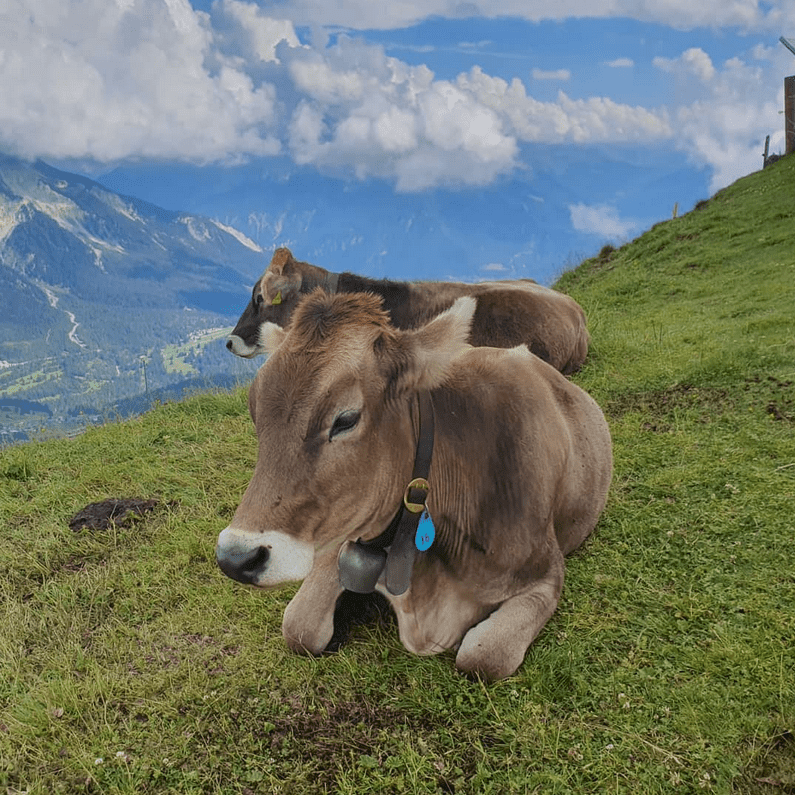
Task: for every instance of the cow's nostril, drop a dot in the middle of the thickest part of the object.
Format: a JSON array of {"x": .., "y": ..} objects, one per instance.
[
  {"x": 229, "y": 344},
  {"x": 243, "y": 566},
  {"x": 258, "y": 561}
]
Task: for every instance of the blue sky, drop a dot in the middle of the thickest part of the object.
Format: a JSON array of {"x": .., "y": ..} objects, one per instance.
[{"x": 421, "y": 95}]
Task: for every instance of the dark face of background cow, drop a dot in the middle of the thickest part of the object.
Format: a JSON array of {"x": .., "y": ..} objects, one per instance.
[
  {"x": 333, "y": 412},
  {"x": 273, "y": 300}
]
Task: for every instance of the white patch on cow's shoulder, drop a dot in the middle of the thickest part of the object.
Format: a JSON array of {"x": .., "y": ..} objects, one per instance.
[
  {"x": 288, "y": 560},
  {"x": 271, "y": 337},
  {"x": 521, "y": 351}
]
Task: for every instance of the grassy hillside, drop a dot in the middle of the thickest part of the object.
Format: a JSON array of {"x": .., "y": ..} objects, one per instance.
[{"x": 129, "y": 664}]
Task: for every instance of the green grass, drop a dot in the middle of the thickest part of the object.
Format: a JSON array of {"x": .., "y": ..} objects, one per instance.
[{"x": 668, "y": 667}]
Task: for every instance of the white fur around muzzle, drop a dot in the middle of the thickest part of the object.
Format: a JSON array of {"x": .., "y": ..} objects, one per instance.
[{"x": 286, "y": 559}]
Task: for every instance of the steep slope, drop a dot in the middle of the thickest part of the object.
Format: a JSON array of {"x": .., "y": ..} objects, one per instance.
[{"x": 701, "y": 297}]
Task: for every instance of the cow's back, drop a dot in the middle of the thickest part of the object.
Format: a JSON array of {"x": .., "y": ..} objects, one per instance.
[{"x": 509, "y": 313}]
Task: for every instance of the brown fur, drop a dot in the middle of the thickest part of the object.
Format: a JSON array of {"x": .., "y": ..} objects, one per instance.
[
  {"x": 520, "y": 473},
  {"x": 509, "y": 313}
]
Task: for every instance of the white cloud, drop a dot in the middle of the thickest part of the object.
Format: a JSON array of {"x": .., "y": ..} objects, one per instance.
[
  {"x": 113, "y": 79},
  {"x": 556, "y": 74},
  {"x": 107, "y": 80},
  {"x": 691, "y": 63},
  {"x": 475, "y": 45},
  {"x": 580, "y": 121},
  {"x": 264, "y": 33},
  {"x": 727, "y": 111},
  {"x": 621, "y": 63},
  {"x": 380, "y": 117},
  {"x": 748, "y": 15},
  {"x": 600, "y": 220}
]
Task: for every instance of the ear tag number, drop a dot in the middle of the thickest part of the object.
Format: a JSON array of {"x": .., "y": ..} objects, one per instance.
[
  {"x": 426, "y": 532},
  {"x": 277, "y": 299}
]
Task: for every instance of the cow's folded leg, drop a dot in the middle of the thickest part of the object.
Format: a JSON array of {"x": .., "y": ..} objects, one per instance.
[
  {"x": 495, "y": 648},
  {"x": 308, "y": 622}
]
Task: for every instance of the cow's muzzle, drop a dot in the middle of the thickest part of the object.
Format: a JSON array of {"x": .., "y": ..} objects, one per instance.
[
  {"x": 244, "y": 566},
  {"x": 263, "y": 559}
]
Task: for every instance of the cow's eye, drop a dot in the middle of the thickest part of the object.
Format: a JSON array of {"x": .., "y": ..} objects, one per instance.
[
  {"x": 258, "y": 300},
  {"x": 346, "y": 421}
]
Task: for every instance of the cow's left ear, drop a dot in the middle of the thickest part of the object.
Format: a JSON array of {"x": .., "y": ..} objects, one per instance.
[
  {"x": 271, "y": 337},
  {"x": 434, "y": 346}
]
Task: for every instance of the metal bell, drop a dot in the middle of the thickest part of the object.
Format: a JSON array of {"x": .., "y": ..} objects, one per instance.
[{"x": 360, "y": 566}]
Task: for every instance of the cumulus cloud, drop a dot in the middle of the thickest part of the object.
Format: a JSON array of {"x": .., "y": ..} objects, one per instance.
[
  {"x": 596, "y": 119},
  {"x": 380, "y": 117},
  {"x": 728, "y": 112},
  {"x": 361, "y": 14},
  {"x": 620, "y": 63},
  {"x": 105, "y": 80},
  {"x": 600, "y": 220},
  {"x": 691, "y": 63}
]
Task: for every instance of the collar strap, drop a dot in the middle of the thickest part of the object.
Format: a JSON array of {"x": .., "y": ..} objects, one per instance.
[{"x": 398, "y": 538}]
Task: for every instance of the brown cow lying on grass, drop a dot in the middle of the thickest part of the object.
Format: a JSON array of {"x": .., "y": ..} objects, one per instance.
[
  {"x": 508, "y": 313},
  {"x": 519, "y": 473}
]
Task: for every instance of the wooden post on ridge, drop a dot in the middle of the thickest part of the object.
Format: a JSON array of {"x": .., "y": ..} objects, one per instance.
[
  {"x": 789, "y": 104},
  {"x": 789, "y": 114}
]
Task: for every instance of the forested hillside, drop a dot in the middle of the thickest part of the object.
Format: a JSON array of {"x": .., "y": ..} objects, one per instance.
[{"x": 108, "y": 300}]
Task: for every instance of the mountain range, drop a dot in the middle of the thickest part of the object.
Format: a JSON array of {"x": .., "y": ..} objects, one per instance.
[
  {"x": 121, "y": 289},
  {"x": 107, "y": 296},
  {"x": 519, "y": 226}
]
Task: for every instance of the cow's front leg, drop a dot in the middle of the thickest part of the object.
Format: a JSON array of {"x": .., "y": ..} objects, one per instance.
[
  {"x": 308, "y": 622},
  {"x": 495, "y": 648}
]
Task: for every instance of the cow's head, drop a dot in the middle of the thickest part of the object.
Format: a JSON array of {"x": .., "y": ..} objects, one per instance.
[
  {"x": 273, "y": 300},
  {"x": 334, "y": 412}
]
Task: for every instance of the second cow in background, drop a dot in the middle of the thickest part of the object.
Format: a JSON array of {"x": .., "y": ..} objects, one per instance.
[{"x": 508, "y": 313}]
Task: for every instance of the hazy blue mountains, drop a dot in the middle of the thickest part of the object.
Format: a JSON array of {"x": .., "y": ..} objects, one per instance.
[{"x": 105, "y": 297}]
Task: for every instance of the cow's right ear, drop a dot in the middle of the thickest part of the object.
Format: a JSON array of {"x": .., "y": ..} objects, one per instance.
[
  {"x": 271, "y": 337},
  {"x": 433, "y": 347}
]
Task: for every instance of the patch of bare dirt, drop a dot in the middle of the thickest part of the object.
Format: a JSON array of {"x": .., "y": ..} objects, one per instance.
[{"x": 118, "y": 511}]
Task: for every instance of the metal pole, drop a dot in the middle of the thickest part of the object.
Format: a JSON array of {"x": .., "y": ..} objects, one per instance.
[{"x": 787, "y": 44}]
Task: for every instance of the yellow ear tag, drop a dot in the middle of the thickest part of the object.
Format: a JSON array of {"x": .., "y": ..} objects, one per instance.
[{"x": 277, "y": 299}]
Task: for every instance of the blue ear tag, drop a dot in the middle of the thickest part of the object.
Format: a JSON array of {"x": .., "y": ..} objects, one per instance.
[{"x": 426, "y": 532}]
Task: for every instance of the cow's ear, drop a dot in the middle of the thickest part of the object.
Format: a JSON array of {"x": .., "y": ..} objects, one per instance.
[
  {"x": 285, "y": 279},
  {"x": 434, "y": 346},
  {"x": 281, "y": 257},
  {"x": 271, "y": 337}
]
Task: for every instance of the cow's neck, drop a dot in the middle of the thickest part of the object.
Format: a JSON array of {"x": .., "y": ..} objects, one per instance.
[
  {"x": 312, "y": 276},
  {"x": 393, "y": 552}
]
